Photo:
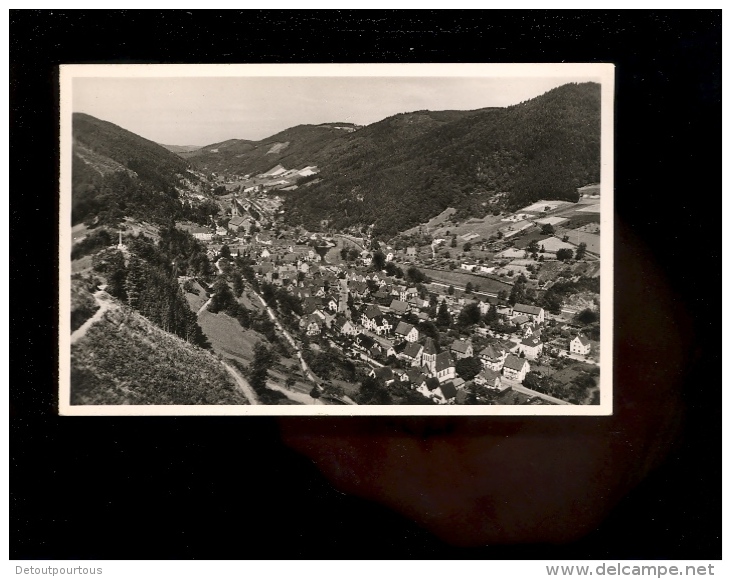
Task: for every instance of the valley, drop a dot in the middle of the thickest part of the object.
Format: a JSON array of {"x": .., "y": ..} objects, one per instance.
[{"x": 432, "y": 258}]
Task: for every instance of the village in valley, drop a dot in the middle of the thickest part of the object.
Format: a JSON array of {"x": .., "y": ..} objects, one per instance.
[
  {"x": 445, "y": 257},
  {"x": 499, "y": 310}
]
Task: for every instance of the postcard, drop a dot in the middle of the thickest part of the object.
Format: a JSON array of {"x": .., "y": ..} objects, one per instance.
[{"x": 401, "y": 239}]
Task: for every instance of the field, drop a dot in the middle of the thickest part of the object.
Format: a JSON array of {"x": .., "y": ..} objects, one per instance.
[
  {"x": 228, "y": 337},
  {"x": 78, "y": 232},
  {"x": 591, "y": 208},
  {"x": 458, "y": 278},
  {"x": 196, "y": 301},
  {"x": 483, "y": 227},
  {"x": 82, "y": 265},
  {"x": 540, "y": 206}
]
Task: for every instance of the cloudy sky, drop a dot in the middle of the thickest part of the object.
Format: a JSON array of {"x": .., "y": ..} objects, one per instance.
[{"x": 205, "y": 110}]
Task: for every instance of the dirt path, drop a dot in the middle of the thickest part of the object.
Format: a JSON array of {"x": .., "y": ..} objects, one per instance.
[
  {"x": 293, "y": 395},
  {"x": 103, "y": 299},
  {"x": 204, "y": 306},
  {"x": 243, "y": 384}
]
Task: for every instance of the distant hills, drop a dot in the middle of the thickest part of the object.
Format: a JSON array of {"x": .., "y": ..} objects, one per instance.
[
  {"x": 395, "y": 173},
  {"x": 293, "y": 148},
  {"x": 181, "y": 148},
  {"x": 105, "y": 140},
  {"x": 405, "y": 169},
  {"x": 409, "y": 167}
]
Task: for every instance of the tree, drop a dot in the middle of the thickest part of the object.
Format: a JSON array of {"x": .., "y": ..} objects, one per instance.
[
  {"x": 238, "y": 284},
  {"x": 225, "y": 252},
  {"x": 444, "y": 318},
  {"x": 453, "y": 243},
  {"x": 581, "y": 251},
  {"x": 379, "y": 260},
  {"x": 315, "y": 392},
  {"x": 533, "y": 246},
  {"x": 260, "y": 365},
  {"x": 450, "y": 290},
  {"x": 467, "y": 247},
  {"x": 468, "y": 368},
  {"x": 564, "y": 254},
  {"x": 289, "y": 383},
  {"x": 372, "y": 392},
  {"x": 469, "y": 316},
  {"x": 548, "y": 229},
  {"x": 468, "y": 288}
]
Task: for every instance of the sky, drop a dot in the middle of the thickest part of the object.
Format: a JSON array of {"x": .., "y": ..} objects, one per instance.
[{"x": 206, "y": 110}]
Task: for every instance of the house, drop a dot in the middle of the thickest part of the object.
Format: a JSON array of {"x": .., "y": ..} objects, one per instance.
[
  {"x": 399, "y": 307},
  {"x": 489, "y": 378},
  {"x": 312, "y": 325},
  {"x": 410, "y": 252},
  {"x": 580, "y": 345},
  {"x": 415, "y": 377},
  {"x": 462, "y": 349},
  {"x": 535, "y": 313},
  {"x": 381, "y": 325},
  {"x": 493, "y": 357},
  {"x": 515, "y": 368},
  {"x": 358, "y": 289},
  {"x": 406, "y": 332},
  {"x": 448, "y": 393},
  {"x": 345, "y": 327},
  {"x": 369, "y": 315},
  {"x": 384, "y": 375},
  {"x": 444, "y": 367},
  {"x": 412, "y": 353},
  {"x": 429, "y": 387},
  {"x": 408, "y": 293},
  {"x": 521, "y": 321},
  {"x": 532, "y": 330},
  {"x": 429, "y": 355},
  {"x": 531, "y": 346},
  {"x": 310, "y": 304},
  {"x": 201, "y": 233},
  {"x": 366, "y": 343}
]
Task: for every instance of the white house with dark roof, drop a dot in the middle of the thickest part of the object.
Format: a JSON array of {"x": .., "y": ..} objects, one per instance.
[
  {"x": 534, "y": 313},
  {"x": 399, "y": 307},
  {"x": 493, "y": 357},
  {"x": 580, "y": 345},
  {"x": 462, "y": 349},
  {"x": 515, "y": 368},
  {"x": 384, "y": 375},
  {"x": 531, "y": 346},
  {"x": 412, "y": 353},
  {"x": 489, "y": 378},
  {"x": 406, "y": 331}
]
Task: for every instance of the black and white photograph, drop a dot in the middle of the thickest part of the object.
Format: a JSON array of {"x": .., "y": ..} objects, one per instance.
[
  {"x": 168, "y": 413},
  {"x": 342, "y": 239}
]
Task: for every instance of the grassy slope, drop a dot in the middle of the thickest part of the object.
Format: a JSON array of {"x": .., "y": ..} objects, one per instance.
[{"x": 125, "y": 359}]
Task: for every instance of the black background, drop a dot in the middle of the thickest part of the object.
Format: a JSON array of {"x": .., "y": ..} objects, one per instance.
[{"x": 223, "y": 488}]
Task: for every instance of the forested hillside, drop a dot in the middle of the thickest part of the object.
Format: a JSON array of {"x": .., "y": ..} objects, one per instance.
[
  {"x": 294, "y": 148},
  {"x": 408, "y": 168},
  {"x": 117, "y": 173}
]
